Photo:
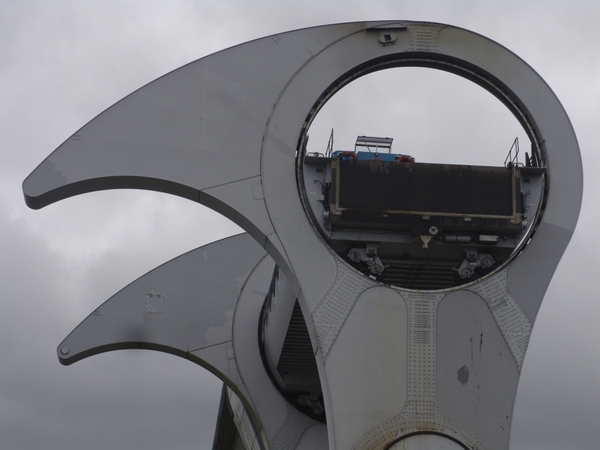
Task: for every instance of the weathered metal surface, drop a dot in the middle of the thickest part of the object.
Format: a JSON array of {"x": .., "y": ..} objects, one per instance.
[{"x": 224, "y": 131}]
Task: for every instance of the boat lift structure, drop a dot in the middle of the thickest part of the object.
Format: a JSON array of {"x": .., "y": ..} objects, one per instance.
[{"x": 374, "y": 303}]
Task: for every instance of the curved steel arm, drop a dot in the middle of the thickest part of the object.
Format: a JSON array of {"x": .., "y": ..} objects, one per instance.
[
  {"x": 196, "y": 132},
  {"x": 191, "y": 307},
  {"x": 224, "y": 130},
  {"x": 183, "y": 307}
]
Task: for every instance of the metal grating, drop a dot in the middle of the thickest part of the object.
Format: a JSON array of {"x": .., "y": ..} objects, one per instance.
[
  {"x": 419, "y": 275},
  {"x": 297, "y": 350},
  {"x": 298, "y": 369}
]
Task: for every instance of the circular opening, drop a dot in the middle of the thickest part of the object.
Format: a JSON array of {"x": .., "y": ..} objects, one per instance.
[
  {"x": 435, "y": 116},
  {"x": 420, "y": 178}
]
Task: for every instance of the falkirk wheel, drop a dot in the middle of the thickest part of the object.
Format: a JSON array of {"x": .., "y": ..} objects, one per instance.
[{"x": 347, "y": 316}]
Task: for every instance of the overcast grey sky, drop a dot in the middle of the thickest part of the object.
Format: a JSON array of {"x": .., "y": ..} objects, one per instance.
[{"x": 64, "y": 62}]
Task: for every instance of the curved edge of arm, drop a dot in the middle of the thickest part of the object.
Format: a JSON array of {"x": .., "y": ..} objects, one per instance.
[{"x": 107, "y": 183}]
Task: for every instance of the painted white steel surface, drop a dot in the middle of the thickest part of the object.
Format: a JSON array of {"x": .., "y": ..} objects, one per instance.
[
  {"x": 224, "y": 131},
  {"x": 202, "y": 306}
]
